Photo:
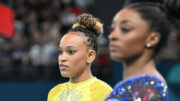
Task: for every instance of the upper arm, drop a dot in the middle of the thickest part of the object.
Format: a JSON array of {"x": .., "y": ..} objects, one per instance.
[{"x": 147, "y": 88}]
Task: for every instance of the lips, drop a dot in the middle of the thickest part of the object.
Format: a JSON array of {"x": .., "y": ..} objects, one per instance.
[
  {"x": 62, "y": 67},
  {"x": 113, "y": 47}
]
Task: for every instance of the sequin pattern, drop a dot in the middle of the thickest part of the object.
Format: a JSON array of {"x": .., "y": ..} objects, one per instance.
[
  {"x": 141, "y": 88},
  {"x": 71, "y": 95}
]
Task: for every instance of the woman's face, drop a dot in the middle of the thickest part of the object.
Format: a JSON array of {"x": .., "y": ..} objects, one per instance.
[
  {"x": 72, "y": 55},
  {"x": 128, "y": 36}
]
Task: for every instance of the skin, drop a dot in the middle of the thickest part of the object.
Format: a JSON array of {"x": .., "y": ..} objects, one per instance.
[
  {"x": 76, "y": 56},
  {"x": 128, "y": 39}
]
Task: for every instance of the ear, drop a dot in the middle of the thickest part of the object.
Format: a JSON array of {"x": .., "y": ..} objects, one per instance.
[
  {"x": 153, "y": 39},
  {"x": 91, "y": 56}
]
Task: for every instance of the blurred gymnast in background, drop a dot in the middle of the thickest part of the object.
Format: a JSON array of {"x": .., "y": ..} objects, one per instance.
[
  {"x": 77, "y": 51},
  {"x": 139, "y": 31}
]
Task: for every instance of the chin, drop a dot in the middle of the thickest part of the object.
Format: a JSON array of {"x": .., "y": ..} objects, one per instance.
[
  {"x": 117, "y": 59},
  {"x": 65, "y": 75},
  {"x": 115, "y": 56}
]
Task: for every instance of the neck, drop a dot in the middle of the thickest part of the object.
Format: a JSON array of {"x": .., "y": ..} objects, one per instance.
[
  {"x": 143, "y": 64},
  {"x": 85, "y": 75},
  {"x": 138, "y": 68}
]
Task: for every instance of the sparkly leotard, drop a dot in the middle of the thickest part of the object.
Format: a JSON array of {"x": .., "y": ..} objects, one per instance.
[{"x": 140, "y": 88}]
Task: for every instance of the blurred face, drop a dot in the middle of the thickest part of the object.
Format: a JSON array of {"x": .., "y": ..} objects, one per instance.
[
  {"x": 72, "y": 55},
  {"x": 128, "y": 36}
]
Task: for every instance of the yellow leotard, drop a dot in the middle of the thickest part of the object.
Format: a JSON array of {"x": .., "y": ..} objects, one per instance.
[{"x": 90, "y": 90}]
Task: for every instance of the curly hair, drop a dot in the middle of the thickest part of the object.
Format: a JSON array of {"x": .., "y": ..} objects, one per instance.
[{"x": 91, "y": 27}]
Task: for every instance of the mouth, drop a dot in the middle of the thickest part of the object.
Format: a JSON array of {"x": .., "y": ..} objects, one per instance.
[
  {"x": 113, "y": 47},
  {"x": 62, "y": 67}
]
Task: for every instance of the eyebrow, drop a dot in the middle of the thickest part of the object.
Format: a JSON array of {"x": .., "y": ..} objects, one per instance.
[
  {"x": 126, "y": 21},
  {"x": 59, "y": 48},
  {"x": 122, "y": 22}
]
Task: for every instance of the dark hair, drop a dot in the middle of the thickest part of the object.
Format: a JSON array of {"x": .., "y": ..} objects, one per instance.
[
  {"x": 127, "y": 2},
  {"x": 90, "y": 27},
  {"x": 157, "y": 16},
  {"x": 173, "y": 7}
]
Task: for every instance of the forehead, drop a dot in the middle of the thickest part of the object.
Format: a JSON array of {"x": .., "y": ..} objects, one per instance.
[
  {"x": 128, "y": 14},
  {"x": 72, "y": 39}
]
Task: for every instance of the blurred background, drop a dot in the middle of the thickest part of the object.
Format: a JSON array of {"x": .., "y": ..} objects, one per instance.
[{"x": 29, "y": 37}]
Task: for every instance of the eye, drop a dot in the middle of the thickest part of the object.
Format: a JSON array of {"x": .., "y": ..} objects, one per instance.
[
  {"x": 60, "y": 52},
  {"x": 71, "y": 52},
  {"x": 125, "y": 30}
]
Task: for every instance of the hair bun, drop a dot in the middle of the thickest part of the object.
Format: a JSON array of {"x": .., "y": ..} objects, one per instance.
[
  {"x": 173, "y": 7},
  {"x": 87, "y": 21}
]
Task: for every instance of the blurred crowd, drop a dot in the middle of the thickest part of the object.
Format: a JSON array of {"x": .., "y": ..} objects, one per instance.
[{"x": 32, "y": 52}]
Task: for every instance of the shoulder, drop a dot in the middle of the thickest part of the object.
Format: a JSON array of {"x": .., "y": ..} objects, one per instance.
[
  {"x": 100, "y": 90},
  {"x": 56, "y": 89},
  {"x": 142, "y": 80},
  {"x": 141, "y": 87},
  {"x": 101, "y": 87},
  {"x": 59, "y": 86},
  {"x": 101, "y": 84}
]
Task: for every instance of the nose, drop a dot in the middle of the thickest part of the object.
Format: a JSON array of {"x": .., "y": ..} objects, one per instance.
[
  {"x": 62, "y": 58},
  {"x": 112, "y": 36}
]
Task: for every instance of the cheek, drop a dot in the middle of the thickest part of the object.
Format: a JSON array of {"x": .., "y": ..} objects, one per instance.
[
  {"x": 77, "y": 63},
  {"x": 78, "y": 60},
  {"x": 134, "y": 45},
  {"x": 134, "y": 42}
]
